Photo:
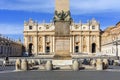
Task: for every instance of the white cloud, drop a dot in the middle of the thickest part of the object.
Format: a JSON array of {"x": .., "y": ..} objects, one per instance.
[
  {"x": 11, "y": 29},
  {"x": 77, "y": 6}
]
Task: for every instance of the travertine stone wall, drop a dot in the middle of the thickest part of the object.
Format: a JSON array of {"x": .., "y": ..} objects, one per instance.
[
  {"x": 83, "y": 36},
  {"x": 109, "y": 37},
  {"x": 10, "y": 47}
]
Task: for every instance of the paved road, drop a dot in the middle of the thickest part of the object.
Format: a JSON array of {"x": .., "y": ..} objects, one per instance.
[
  {"x": 61, "y": 75},
  {"x": 9, "y": 74},
  {"x": 7, "y": 68}
]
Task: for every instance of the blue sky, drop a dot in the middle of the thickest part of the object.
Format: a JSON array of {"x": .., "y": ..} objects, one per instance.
[{"x": 13, "y": 13}]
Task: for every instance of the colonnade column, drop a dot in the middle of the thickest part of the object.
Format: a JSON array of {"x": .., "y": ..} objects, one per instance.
[
  {"x": 81, "y": 44},
  {"x": 98, "y": 44},
  {"x": 53, "y": 44},
  {"x": 43, "y": 44},
  {"x": 70, "y": 44},
  {"x": 26, "y": 43},
  {"x": 80, "y": 50},
  {"x": 88, "y": 42},
  {"x": 36, "y": 45},
  {"x": 73, "y": 45}
]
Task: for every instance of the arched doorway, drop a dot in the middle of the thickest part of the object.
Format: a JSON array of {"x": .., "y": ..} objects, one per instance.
[
  {"x": 30, "y": 50},
  {"x": 93, "y": 48}
]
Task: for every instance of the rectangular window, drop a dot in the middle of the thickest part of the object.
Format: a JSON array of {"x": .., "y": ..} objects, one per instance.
[
  {"x": 84, "y": 27},
  {"x": 76, "y": 49},
  {"x": 47, "y": 39},
  {"x": 76, "y": 38},
  {"x": 47, "y": 49},
  {"x": 30, "y": 27},
  {"x": 30, "y": 38},
  {"x": 93, "y": 27}
]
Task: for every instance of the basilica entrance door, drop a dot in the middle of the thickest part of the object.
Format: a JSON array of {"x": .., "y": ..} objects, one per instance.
[
  {"x": 93, "y": 48},
  {"x": 30, "y": 50}
]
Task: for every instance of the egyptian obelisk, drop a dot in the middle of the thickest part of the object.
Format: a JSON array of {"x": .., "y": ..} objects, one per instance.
[
  {"x": 62, "y": 5},
  {"x": 62, "y": 21},
  {"x": 62, "y": 17}
]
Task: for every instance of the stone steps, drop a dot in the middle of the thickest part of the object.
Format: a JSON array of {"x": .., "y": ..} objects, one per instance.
[{"x": 61, "y": 62}]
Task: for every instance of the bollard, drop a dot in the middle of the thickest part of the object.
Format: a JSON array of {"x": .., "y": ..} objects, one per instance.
[
  {"x": 99, "y": 64},
  {"x": 18, "y": 64},
  {"x": 105, "y": 64},
  {"x": 24, "y": 65},
  {"x": 75, "y": 65},
  {"x": 116, "y": 63},
  {"x": 30, "y": 65},
  {"x": 80, "y": 63},
  {"x": 39, "y": 61},
  {"x": 33, "y": 62},
  {"x": 93, "y": 63},
  {"x": 48, "y": 66}
]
